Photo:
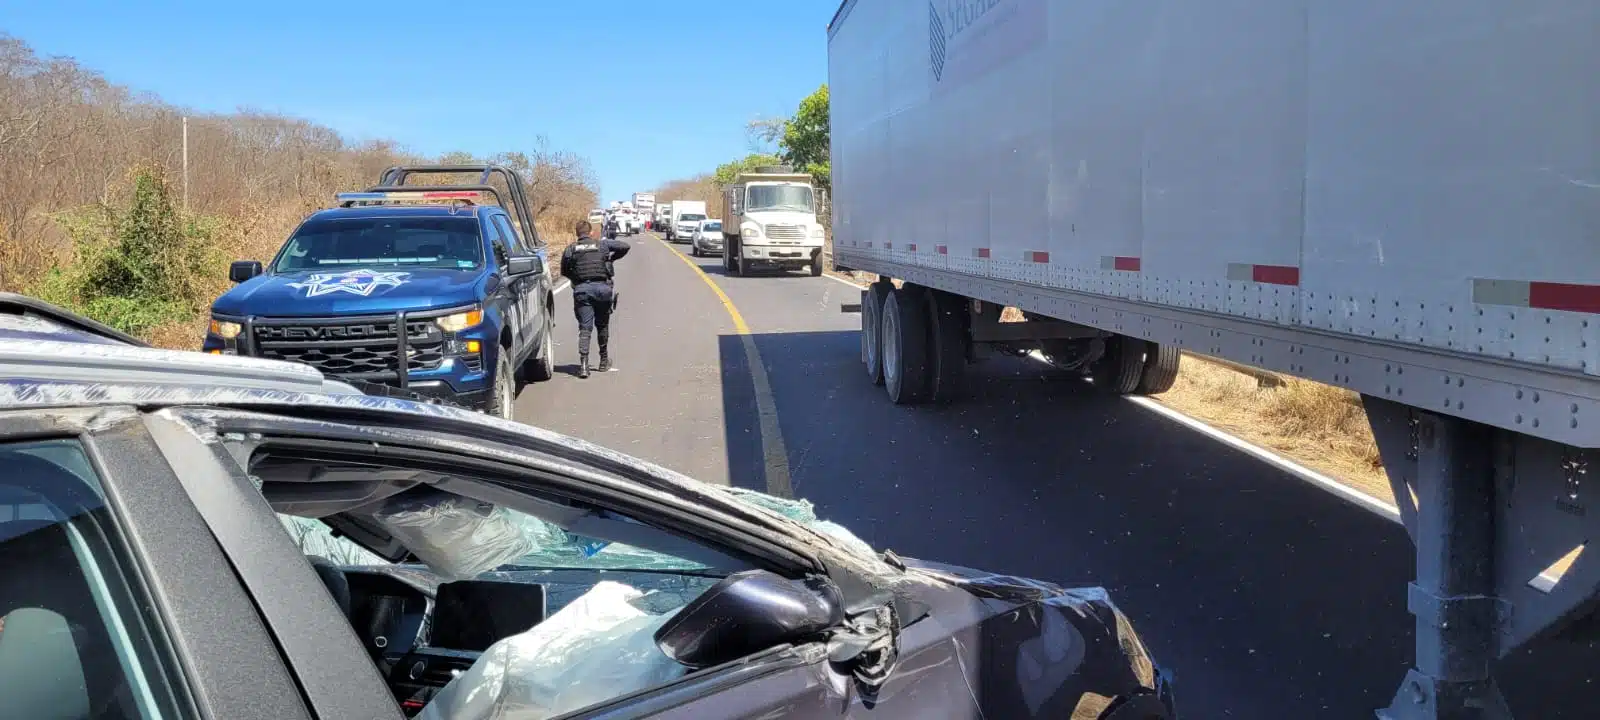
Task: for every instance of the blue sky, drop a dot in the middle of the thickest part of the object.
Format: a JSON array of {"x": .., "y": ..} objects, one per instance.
[{"x": 374, "y": 70}]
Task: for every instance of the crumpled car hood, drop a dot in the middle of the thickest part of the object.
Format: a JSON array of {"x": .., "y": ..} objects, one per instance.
[{"x": 1030, "y": 648}]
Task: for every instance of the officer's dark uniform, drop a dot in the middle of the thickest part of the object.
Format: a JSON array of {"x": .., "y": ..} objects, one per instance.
[{"x": 587, "y": 264}]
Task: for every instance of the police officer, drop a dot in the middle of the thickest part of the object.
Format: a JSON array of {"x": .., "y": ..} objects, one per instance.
[{"x": 587, "y": 265}]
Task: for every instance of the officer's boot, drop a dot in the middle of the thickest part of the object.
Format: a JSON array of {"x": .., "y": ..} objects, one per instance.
[
  {"x": 605, "y": 361},
  {"x": 583, "y": 366}
]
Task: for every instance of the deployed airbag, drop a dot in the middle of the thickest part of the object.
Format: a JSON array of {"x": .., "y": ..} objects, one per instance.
[
  {"x": 597, "y": 648},
  {"x": 457, "y": 537}
]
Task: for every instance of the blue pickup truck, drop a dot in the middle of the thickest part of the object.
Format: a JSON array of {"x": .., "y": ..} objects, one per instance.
[{"x": 447, "y": 263}]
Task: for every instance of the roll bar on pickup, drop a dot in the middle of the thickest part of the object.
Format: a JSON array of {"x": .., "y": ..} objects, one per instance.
[{"x": 520, "y": 208}]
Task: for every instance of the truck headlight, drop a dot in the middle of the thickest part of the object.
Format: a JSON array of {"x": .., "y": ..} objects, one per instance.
[
  {"x": 750, "y": 231},
  {"x": 460, "y": 321},
  {"x": 225, "y": 329},
  {"x": 816, "y": 231}
]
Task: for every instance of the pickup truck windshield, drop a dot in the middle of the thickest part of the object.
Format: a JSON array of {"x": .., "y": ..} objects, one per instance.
[
  {"x": 436, "y": 242},
  {"x": 711, "y": 227},
  {"x": 779, "y": 197}
]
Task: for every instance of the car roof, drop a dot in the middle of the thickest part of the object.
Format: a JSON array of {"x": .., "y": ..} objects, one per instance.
[
  {"x": 376, "y": 211},
  {"x": 42, "y": 342}
]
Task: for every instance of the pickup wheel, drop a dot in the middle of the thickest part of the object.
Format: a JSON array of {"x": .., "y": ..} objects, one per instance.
[
  {"x": 905, "y": 345},
  {"x": 948, "y": 345},
  {"x": 1120, "y": 369},
  {"x": 542, "y": 365},
  {"x": 872, "y": 301},
  {"x": 1160, "y": 369},
  {"x": 503, "y": 392}
]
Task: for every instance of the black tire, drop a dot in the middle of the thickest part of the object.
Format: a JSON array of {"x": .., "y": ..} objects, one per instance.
[
  {"x": 503, "y": 391},
  {"x": 948, "y": 345},
  {"x": 728, "y": 251},
  {"x": 872, "y": 301},
  {"x": 1119, "y": 370},
  {"x": 905, "y": 345},
  {"x": 1160, "y": 369},
  {"x": 816, "y": 265},
  {"x": 541, "y": 366},
  {"x": 740, "y": 267}
]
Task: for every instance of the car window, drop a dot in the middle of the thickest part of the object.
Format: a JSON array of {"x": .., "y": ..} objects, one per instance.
[
  {"x": 74, "y": 641},
  {"x": 498, "y": 242},
  {"x": 514, "y": 241}
]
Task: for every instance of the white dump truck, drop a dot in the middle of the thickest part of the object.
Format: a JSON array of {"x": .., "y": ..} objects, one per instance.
[
  {"x": 772, "y": 222},
  {"x": 1401, "y": 203}
]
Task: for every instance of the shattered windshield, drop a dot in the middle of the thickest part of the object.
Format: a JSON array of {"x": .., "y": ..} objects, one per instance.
[{"x": 463, "y": 538}]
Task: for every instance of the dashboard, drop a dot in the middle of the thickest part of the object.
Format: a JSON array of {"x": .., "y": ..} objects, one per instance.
[{"x": 423, "y": 632}]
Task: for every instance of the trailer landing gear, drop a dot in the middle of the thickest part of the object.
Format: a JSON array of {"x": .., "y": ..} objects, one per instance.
[{"x": 1496, "y": 519}]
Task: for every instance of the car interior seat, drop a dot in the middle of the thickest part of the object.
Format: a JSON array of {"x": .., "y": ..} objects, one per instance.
[{"x": 57, "y": 659}]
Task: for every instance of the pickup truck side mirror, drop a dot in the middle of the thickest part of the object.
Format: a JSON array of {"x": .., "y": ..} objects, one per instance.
[
  {"x": 242, "y": 270},
  {"x": 524, "y": 265}
]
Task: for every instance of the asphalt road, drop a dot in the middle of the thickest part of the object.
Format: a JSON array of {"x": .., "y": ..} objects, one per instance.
[{"x": 1264, "y": 596}]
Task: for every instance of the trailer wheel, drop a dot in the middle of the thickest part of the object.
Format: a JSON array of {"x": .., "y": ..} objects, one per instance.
[
  {"x": 1160, "y": 369},
  {"x": 948, "y": 343},
  {"x": 1119, "y": 370},
  {"x": 872, "y": 301},
  {"x": 905, "y": 345}
]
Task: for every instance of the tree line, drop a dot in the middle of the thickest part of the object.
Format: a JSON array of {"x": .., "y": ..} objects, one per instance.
[
  {"x": 94, "y": 214},
  {"x": 800, "y": 141}
]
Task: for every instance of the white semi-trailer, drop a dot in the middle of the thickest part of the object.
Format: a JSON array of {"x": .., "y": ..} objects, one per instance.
[{"x": 1398, "y": 199}]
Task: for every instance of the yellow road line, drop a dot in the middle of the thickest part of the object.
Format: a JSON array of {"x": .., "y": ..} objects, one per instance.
[{"x": 775, "y": 455}]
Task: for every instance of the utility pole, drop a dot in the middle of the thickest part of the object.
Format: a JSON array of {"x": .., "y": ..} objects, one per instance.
[{"x": 186, "y": 164}]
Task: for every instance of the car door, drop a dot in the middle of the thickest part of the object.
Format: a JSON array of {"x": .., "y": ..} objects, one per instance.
[
  {"x": 506, "y": 295},
  {"x": 784, "y": 681},
  {"x": 530, "y": 288},
  {"x": 116, "y": 597}
]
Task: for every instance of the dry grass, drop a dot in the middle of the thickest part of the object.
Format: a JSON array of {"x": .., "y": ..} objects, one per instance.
[
  {"x": 1316, "y": 425},
  {"x": 68, "y": 139}
]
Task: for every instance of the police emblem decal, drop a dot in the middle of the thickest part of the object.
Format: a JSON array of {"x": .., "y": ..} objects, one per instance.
[{"x": 356, "y": 282}]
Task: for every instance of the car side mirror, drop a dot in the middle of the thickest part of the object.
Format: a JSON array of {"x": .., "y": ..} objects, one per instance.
[
  {"x": 524, "y": 265},
  {"x": 242, "y": 270},
  {"x": 746, "y": 613}
]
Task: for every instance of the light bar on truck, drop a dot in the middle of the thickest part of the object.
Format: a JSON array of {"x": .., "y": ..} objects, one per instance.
[{"x": 350, "y": 198}]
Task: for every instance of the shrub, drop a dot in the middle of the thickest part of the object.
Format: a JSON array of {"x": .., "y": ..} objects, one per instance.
[{"x": 138, "y": 266}]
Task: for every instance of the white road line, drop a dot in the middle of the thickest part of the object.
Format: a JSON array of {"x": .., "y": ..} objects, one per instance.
[
  {"x": 836, "y": 278},
  {"x": 1354, "y": 496},
  {"x": 1351, "y": 494},
  {"x": 564, "y": 285}
]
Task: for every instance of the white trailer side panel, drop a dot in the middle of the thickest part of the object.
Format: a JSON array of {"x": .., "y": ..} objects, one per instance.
[{"x": 1296, "y": 184}]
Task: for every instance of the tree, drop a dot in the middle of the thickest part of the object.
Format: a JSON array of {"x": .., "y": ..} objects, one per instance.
[
  {"x": 726, "y": 172},
  {"x": 805, "y": 140}
]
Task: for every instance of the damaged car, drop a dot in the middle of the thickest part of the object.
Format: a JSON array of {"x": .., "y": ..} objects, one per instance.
[{"x": 226, "y": 537}]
